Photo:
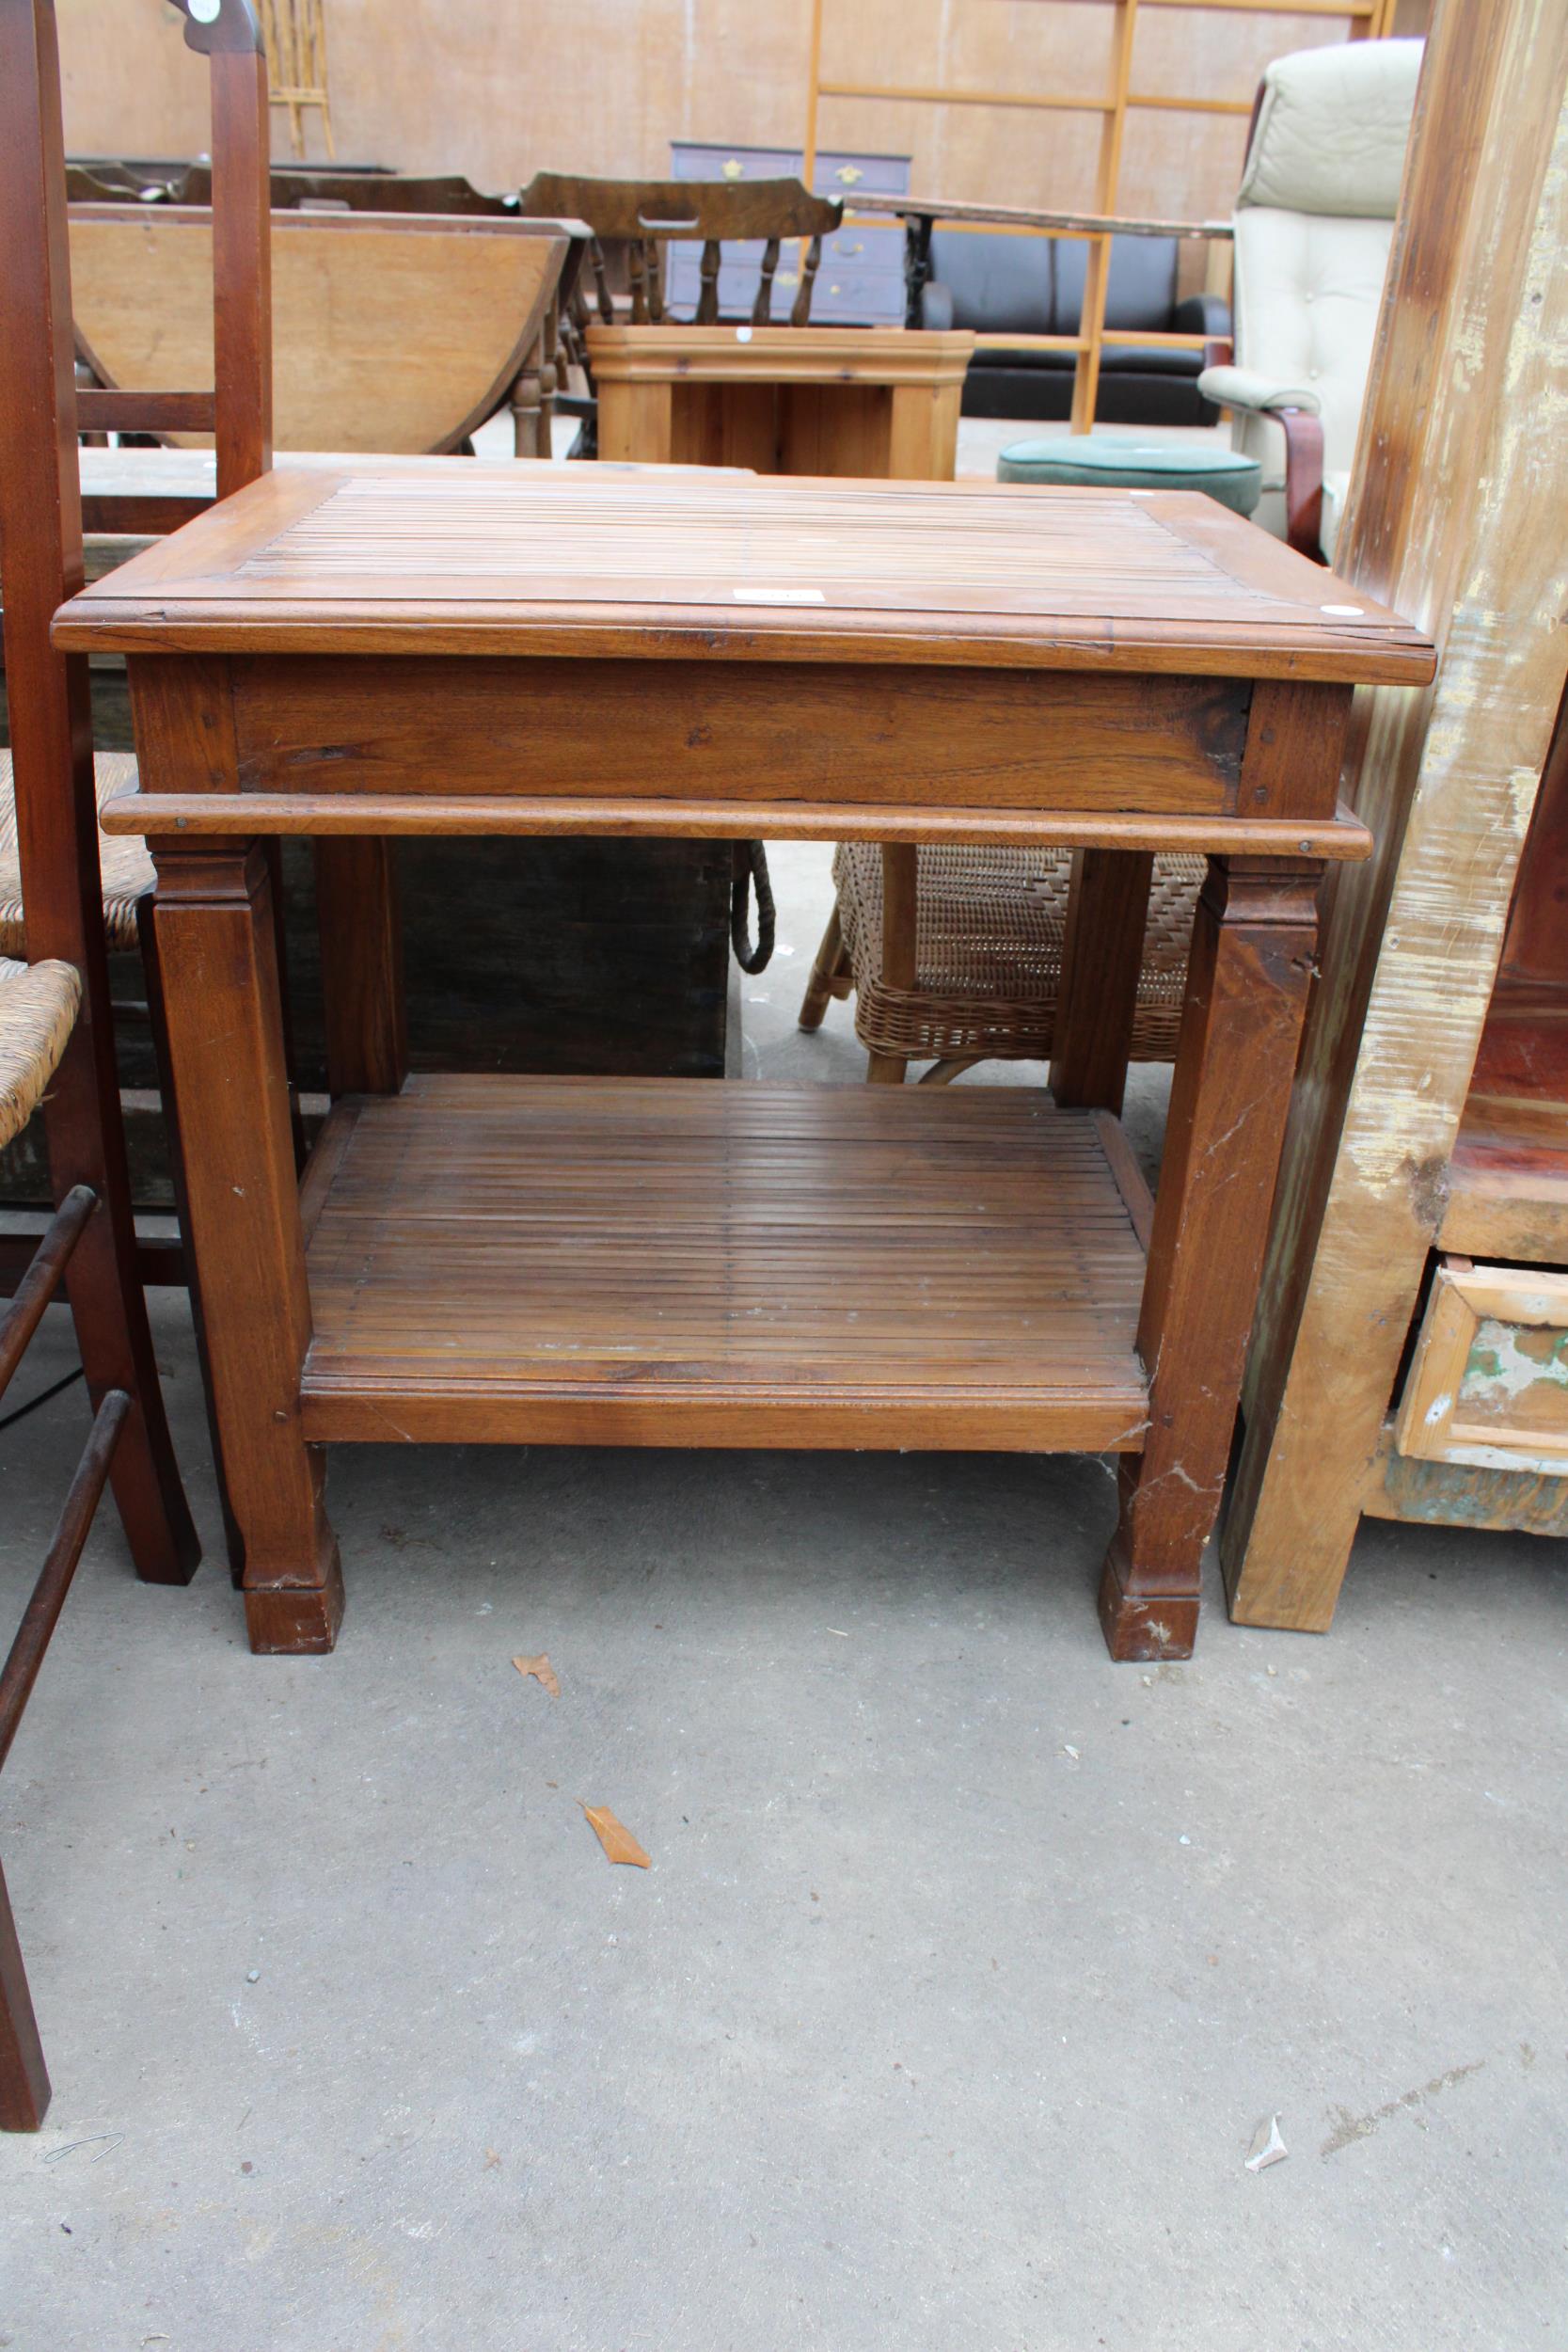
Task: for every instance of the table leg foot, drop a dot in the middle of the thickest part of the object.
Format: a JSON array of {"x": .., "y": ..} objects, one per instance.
[
  {"x": 295, "y": 1620},
  {"x": 219, "y": 962},
  {"x": 1251, "y": 955},
  {"x": 1143, "y": 1627}
]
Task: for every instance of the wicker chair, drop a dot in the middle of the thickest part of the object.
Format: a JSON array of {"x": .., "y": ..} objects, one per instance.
[{"x": 986, "y": 963}]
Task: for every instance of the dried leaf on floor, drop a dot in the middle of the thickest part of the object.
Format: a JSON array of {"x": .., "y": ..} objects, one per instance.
[
  {"x": 616, "y": 1839},
  {"x": 1267, "y": 2146},
  {"x": 541, "y": 1671}
]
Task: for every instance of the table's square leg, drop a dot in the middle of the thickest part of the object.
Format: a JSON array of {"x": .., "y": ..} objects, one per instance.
[
  {"x": 219, "y": 962},
  {"x": 1251, "y": 963},
  {"x": 1101, "y": 964},
  {"x": 361, "y": 953}
]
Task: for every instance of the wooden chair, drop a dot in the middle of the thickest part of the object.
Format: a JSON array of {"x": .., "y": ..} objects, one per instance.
[
  {"x": 646, "y": 215},
  {"x": 66, "y": 894},
  {"x": 238, "y": 412},
  {"x": 639, "y": 219},
  {"x": 39, "y": 1009}
]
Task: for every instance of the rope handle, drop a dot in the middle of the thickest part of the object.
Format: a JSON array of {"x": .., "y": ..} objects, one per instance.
[{"x": 749, "y": 871}]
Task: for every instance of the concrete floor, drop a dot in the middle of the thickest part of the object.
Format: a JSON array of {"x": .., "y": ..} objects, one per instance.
[{"x": 966, "y": 1967}]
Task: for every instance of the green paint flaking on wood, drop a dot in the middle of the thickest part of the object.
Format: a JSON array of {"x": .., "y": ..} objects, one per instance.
[{"x": 1507, "y": 1360}]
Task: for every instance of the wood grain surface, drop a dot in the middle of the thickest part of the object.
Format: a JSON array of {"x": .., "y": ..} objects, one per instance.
[
  {"x": 616, "y": 1262},
  {"x": 391, "y": 331},
  {"x": 570, "y": 560},
  {"x": 776, "y": 354},
  {"x": 667, "y": 730}
]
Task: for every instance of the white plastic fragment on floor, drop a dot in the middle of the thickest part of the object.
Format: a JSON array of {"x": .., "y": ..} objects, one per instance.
[{"x": 1267, "y": 2147}]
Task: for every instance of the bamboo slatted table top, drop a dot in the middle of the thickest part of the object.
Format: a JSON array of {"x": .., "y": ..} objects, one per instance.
[{"x": 537, "y": 560}]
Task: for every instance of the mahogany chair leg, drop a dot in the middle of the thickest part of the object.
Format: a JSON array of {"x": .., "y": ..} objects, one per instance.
[
  {"x": 830, "y": 975},
  {"x": 217, "y": 961},
  {"x": 23, "y": 2077},
  {"x": 51, "y": 725},
  {"x": 528, "y": 408},
  {"x": 108, "y": 1305},
  {"x": 1252, "y": 956}
]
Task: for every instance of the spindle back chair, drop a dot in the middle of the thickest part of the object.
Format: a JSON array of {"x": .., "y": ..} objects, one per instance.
[
  {"x": 56, "y": 1041},
  {"x": 647, "y": 214}
]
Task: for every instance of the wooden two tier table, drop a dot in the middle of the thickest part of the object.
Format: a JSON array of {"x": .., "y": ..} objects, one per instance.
[{"x": 625, "y": 1263}]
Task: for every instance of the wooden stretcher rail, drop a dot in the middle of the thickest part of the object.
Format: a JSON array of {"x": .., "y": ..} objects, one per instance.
[
  {"x": 1342, "y": 837},
  {"x": 20, "y": 1669},
  {"x": 42, "y": 1277},
  {"x": 114, "y": 411}
]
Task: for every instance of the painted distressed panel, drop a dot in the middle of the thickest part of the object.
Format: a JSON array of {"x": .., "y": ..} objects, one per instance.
[
  {"x": 1488, "y": 1383},
  {"x": 1516, "y": 1376}
]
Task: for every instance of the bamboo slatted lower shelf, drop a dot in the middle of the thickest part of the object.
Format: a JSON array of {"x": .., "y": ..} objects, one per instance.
[{"x": 613, "y": 1261}]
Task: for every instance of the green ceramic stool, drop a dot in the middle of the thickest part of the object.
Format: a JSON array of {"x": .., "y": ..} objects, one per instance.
[{"x": 1120, "y": 461}]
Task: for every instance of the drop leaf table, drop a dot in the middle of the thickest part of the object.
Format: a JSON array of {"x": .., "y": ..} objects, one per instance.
[{"x": 628, "y": 1263}]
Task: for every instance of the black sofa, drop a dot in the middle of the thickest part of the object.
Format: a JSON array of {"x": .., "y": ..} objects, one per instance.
[{"x": 1035, "y": 286}]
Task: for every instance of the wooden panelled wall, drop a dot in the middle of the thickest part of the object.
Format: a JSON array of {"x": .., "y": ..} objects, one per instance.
[{"x": 604, "y": 85}]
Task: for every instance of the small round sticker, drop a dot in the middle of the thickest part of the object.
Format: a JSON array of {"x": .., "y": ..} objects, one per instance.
[
  {"x": 742, "y": 334},
  {"x": 1342, "y": 611},
  {"x": 206, "y": 11}
]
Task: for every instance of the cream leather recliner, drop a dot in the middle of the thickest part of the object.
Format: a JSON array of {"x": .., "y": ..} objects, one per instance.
[{"x": 1314, "y": 221}]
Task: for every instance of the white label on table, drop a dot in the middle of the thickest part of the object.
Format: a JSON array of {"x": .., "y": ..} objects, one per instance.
[{"x": 779, "y": 595}]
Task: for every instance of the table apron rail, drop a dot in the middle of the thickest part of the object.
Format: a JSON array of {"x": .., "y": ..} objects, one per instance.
[{"x": 624, "y": 735}]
